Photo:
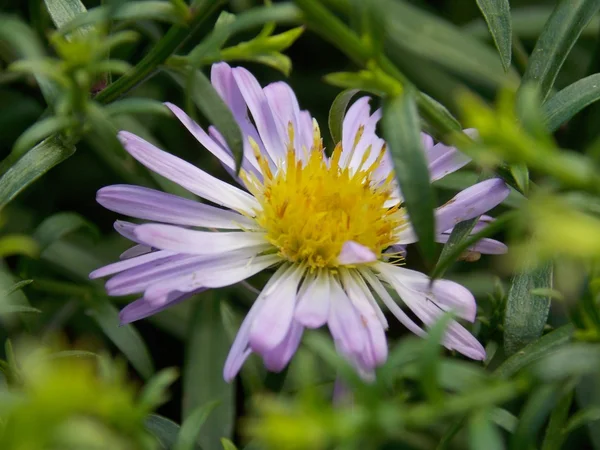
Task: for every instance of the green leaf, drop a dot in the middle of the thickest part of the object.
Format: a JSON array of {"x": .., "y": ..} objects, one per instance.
[
  {"x": 403, "y": 134},
  {"x": 164, "y": 430},
  {"x": 563, "y": 105},
  {"x": 63, "y": 11},
  {"x": 193, "y": 425},
  {"x": 228, "y": 445},
  {"x": 18, "y": 244},
  {"x": 337, "y": 113},
  {"x": 216, "y": 111},
  {"x": 436, "y": 39},
  {"x": 453, "y": 253},
  {"x": 35, "y": 163},
  {"x": 555, "y": 431},
  {"x": 535, "y": 350},
  {"x": 140, "y": 10},
  {"x": 572, "y": 360},
  {"x": 137, "y": 106},
  {"x": 125, "y": 337},
  {"x": 39, "y": 131},
  {"x": 525, "y": 315},
  {"x": 560, "y": 33},
  {"x": 59, "y": 225},
  {"x": 10, "y": 309},
  {"x": 15, "y": 287},
  {"x": 154, "y": 392},
  {"x": 533, "y": 415},
  {"x": 497, "y": 16},
  {"x": 582, "y": 417},
  {"x": 430, "y": 358},
  {"x": 483, "y": 434},
  {"x": 206, "y": 351}
]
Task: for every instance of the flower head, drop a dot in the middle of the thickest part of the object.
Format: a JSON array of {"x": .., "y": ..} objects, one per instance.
[{"x": 333, "y": 228}]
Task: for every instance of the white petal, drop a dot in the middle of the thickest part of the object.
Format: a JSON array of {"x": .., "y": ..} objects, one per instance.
[
  {"x": 355, "y": 253},
  {"x": 312, "y": 309},
  {"x": 344, "y": 321}
]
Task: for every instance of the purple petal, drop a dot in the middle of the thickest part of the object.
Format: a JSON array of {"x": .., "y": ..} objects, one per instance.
[
  {"x": 136, "y": 250},
  {"x": 223, "y": 155},
  {"x": 261, "y": 112},
  {"x": 312, "y": 309},
  {"x": 355, "y": 253},
  {"x": 141, "y": 308},
  {"x": 449, "y": 160},
  {"x": 427, "y": 142},
  {"x": 275, "y": 360},
  {"x": 471, "y": 202},
  {"x": 272, "y": 323},
  {"x": 177, "y": 239},
  {"x": 150, "y": 204},
  {"x": 125, "y": 229},
  {"x": 187, "y": 175},
  {"x": 484, "y": 246},
  {"x": 221, "y": 78},
  {"x": 284, "y": 104},
  {"x": 345, "y": 322},
  {"x": 357, "y": 115},
  {"x": 129, "y": 263}
]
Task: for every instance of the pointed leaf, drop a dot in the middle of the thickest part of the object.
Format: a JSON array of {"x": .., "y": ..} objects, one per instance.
[
  {"x": 560, "y": 33},
  {"x": 63, "y": 11},
  {"x": 525, "y": 315},
  {"x": 402, "y": 132},
  {"x": 337, "y": 113},
  {"x": 206, "y": 351},
  {"x": 497, "y": 16},
  {"x": 125, "y": 337},
  {"x": 194, "y": 426},
  {"x": 164, "y": 430},
  {"x": 35, "y": 163},
  {"x": 59, "y": 225},
  {"x": 483, "y": 433},
  {"x": 563, "y": 105}
]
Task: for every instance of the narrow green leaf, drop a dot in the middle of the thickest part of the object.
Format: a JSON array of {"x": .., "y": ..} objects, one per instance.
[
  {"x": 537, "y": 408},
  {"x": 137, "y": 106},
  {"x": 520, "y": 174},
  {"x": 10, "y": 309},
  {"x": 154, "y": 392},
  {"x": 125, "y": 337},
  {"x": 436, "y": 39},
  {"x": 572, "y": 360},
  {"x": 454, "y": 252},
  {"x": 212, "y": 106},
  {"x": 582, "y": 417},
  {"x": 430, "y": 359},
  {"x": 535, "y": 350},
  {"x": 164, "y": 430},
  {"x": 555, "y": 431},
  {"x": 206, "y": 351},
  {"x": 563, "y": 105},
  {"x": 228, "y": 445},
  {"x": 483, "y": 434},
  {"x": 402, "y": 132},
  {"x": 525, "y": 315},
  {"x": 59, "y": 225},
  {"x": 337, "y": 113},
  {"x": 560, "y": 33},
  {"x": 193, "y": 426},
  {"x": 497, "y": 16},
  {"x": 15, "y": 287},
  {"x": 35, "y": 163},
  {"x": 63, "y": 11},
  {"x": 588, "y": 399},
  {"x": 140, "y": 10}
]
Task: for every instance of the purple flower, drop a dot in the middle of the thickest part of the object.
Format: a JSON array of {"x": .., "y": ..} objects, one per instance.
[{"x": 323, "y": 223}]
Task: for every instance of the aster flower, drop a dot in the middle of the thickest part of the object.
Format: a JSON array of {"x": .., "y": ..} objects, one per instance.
[{"x": 324, "y": 224}]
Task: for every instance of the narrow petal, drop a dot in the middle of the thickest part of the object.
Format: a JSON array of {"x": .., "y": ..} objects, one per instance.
[
  {"x": 125, "y": 229},
  {"x": 223, "y": 155},
  {"x": 150, "y": 204},
  {"x": 485, "y": 246},
  {"x": 212, "y": 272},
  {"x": 261, "y": 113},
  {"x": 355, "y": 253},
  {"x": 312, "y": 309},
  {"x": 357, "y": 115},
  {"x": 345, "y": 322},
  {"x": 274, "y": 320},
  {"x": 141, "y": 308},
  {"x": 187, "y": 175},
  {"x": 129, "y": 263},
  {"x": 449, "y": 160},
  {"x": 136, "y": 250},
  {"x": 470, "y": 203},
  {"x": 221, "y": 77},
  {"x": 275, "y": 360},
  {"x": 286, "y": 111},
  {"x": 177, "y": 239}
]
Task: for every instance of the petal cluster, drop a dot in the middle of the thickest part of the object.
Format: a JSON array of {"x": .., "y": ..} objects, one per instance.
[{"x": 185, "y": 246}]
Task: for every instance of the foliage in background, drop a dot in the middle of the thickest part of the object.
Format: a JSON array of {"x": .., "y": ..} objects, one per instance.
[{"x": 525, "y": 74}]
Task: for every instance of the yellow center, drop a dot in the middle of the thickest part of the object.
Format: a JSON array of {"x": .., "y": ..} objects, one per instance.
[{"x": 311, "y": 208}]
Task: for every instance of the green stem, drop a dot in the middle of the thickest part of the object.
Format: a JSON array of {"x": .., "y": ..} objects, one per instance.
[{"x": 170, "y": 42}]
